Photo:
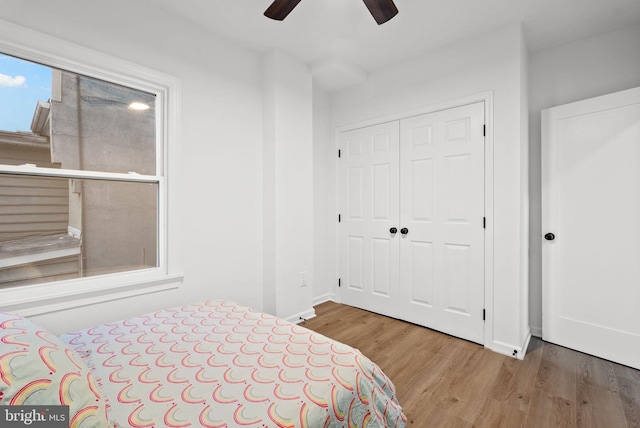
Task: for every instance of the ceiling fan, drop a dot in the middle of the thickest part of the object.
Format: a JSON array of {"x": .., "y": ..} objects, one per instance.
[{"x": 381, "y": 10}]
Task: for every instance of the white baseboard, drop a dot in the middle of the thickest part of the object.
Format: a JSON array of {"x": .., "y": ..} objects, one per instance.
[
  {"x": 327, "y": 297},
  {"x": 302, "y": 316},
  {"x": 536, "y": 331},
  {"x": 510, "y": 349},
  {"x": 311, "y": 313},
  {"x": 525, "y": 345}
]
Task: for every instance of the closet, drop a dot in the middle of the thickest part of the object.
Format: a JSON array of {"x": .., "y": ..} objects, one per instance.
[{"x": 412, "y": 219}]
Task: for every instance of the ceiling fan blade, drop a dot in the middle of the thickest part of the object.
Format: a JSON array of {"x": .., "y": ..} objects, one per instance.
[
  {"x": 279, "y": 9},
  {"x": 382, "y": 10}
]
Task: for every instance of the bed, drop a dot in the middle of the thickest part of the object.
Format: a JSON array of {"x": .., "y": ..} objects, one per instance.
[{"x": 213, "y": 364}]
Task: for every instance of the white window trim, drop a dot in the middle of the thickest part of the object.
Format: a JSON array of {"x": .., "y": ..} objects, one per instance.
[{"x": 55, "y": 296}]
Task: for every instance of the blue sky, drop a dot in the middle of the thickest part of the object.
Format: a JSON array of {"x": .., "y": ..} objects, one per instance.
[{"x": 22, "y": 84}]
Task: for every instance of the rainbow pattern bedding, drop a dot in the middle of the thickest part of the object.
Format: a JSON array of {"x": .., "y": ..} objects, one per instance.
[{"x": 219, "y": 364}]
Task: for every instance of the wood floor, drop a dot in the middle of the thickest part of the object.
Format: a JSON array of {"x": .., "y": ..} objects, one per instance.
[{"x": 442, "y": 381}]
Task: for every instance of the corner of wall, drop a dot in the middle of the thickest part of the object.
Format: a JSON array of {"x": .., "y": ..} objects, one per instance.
[
  {"x": 288, "y": 187},
  {"x": 327, "y": 297},
  {"x": 524, "y": 188},
  {"x": 324, "y": 197}
]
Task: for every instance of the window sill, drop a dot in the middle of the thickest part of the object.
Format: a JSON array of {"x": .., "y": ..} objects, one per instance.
[{"x": 51, "y": 297}]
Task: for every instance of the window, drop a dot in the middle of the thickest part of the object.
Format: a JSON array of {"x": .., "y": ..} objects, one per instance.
[{"x": 84, "y": 191}]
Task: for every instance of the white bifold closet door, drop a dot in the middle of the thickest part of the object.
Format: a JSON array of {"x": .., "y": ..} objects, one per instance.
[{"x": 412, "y": 211}]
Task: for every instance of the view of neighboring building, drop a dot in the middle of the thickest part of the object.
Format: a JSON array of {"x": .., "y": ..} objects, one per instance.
[{"x": 55, "y": 228}]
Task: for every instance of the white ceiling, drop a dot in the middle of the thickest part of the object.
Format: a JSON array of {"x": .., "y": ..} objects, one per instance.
[{"x": 342, "y": 34}]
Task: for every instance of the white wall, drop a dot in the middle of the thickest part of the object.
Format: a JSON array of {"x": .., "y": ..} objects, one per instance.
[
  {"x": 493, "y": 63},
  {"x": 219, "y": 175},
  {"x": 324, "y": 209},
  {"x": 288, "y": 187},
  {"x": 575, "y": 71}
]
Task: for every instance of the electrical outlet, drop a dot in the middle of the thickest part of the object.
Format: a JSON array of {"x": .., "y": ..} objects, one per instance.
[{"x": 303, "y": 278}]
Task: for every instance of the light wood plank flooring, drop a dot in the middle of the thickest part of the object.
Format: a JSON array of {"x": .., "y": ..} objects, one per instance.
[{"x": 443, "y": 381}]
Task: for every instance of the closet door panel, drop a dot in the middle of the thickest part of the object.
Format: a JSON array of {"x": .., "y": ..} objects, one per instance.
[
  {"x": 442, "y": 206},
  {"x": 369, "y": 209}
]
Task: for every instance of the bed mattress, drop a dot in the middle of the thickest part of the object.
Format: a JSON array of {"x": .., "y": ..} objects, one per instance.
[{"x": 220, "y": 364}]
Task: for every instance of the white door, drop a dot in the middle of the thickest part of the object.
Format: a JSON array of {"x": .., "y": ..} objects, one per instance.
[
  {"x": 591, "y": 223},
  {"x": 423, "y": 176},
  {"x": 369, "y": 201},
  {"x": 442, "y": 209}
]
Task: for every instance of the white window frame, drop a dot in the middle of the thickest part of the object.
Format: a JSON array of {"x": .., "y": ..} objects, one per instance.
[{"x": 54, "y": 296}]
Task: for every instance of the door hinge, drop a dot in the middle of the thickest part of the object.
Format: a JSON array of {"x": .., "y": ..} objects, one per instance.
[
  {"x": 484, "y": 315},
  {"x": 339, "y": 153},
  {"x": 339, "y": 283},
  {"x": 484, "y": 222},
  {"x": 339, "y": 218},
  {"x": 484, "y": 130}
]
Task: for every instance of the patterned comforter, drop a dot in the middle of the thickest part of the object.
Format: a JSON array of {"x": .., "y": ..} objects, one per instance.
[{"x": 219, "y": 364}]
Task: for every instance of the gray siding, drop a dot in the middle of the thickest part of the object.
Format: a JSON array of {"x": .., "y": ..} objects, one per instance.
[{"x": 32, "y": 206}]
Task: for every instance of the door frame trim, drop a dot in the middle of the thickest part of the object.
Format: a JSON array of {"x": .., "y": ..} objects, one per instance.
[{"x": 487, "y": 98}]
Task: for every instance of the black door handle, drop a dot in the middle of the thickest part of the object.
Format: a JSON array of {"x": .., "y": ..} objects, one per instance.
[
  {"x": 549, "y": 236},
  {"x": 393, "y": 230},
  {"x": 404, "y": 230}
]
